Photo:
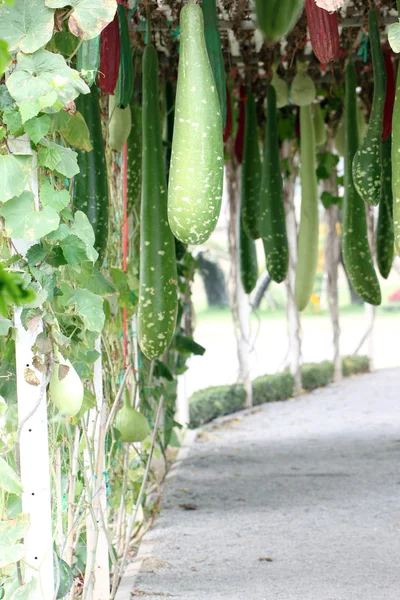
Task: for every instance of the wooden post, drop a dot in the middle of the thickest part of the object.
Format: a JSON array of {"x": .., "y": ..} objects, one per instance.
[{"x": 33, "y": 435}]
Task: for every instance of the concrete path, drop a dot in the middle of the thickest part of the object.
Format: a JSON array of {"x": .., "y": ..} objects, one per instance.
[{"x": 298, "y": 501}]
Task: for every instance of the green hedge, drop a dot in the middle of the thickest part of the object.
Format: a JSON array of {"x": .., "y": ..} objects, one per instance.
[{"x": 214, "y": 402}]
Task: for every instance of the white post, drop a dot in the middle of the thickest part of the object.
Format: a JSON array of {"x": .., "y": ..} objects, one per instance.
[
  {"x": 33, "y": 437},
  {"x": 96, "y": 535}
]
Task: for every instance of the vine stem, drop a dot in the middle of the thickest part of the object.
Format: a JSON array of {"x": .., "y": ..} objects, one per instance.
[
  {"x": 132, "y": 520},
  {"x": 117, "y": 399}
]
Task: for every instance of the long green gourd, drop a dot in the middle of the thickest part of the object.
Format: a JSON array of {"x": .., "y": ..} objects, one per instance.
[
  {"x": 247, "y": 260},
  {"x": 384, "y": 229},
  {"x": 158, "y": 300},
  {"x": 251, "y": 171},
  {"x": 355, "y": 247},
  {"x": 124, "y": 88},
  {"x": 396, "y": 164},
  {"x": 196, "y": 173},
  {"x": 367, "y": 161},
  {"x": 272, "y": 210},
  {"x": 214, "y": 49},
  {"x": 88, "y": 59},
  {"x": 307, "y": 252},
  {"x": 90, "y": 189}
]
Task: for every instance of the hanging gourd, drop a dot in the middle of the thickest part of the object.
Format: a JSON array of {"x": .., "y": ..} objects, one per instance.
[
  {"x": 355, "y": 247},
  {"x": 88, "y": 60},
  {"x": 251, "y": 172},
  {"x": 66, "y": 387},
  {"x": 319, "y": 126},
  {"x": 214, "y": 49},
  {"x": 196, "y": 173},
  {"x": 130, "y": 423},
  {"x": 281, "y": 89},
  {"x": 276, "y": 18},
  {"x": 119, "y": 126},
  {"x": 158, "y": 302},
  {"x": 367, "y": 160},
  {"x": 247, "y": 260},
  {"x": 302, "y": 90},
  {"x": 110, "y": 53},
  {"x": 124, "y": 87},
  {"x": 324, "y": 32}
]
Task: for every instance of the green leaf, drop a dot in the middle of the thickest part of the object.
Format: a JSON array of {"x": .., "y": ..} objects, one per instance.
[
  {"x": 56, "y": 157},
  {"x": 38, "y": 127},
  {"x": 23, "y": 221},
  {"x": 120, "y": 280},
  {"x": 4, "y": 56},
  {"x": 162, "y": 370},
  {"x": 12, "y": 118},
  {"x": 329, "y": 199},
  {"x": 10, "y": 554},
  {"x": 74, "y": 250},
  {"x": 74, "y": 129},
  {"x": 394, "y": 37},
  {"x": 60, "y": 233},
  {"x": 89, "y": 17},
  {"x": 84, "y": 231},
  {"x": 95, "y": 282},
  {"x": 90, "y": 308},
  {"x": 14, "y": 174},
  {"x": 187, "y": 345},
  {"x": 36, "y": 254},
  {"x": 29, "y": 109},
  {"x": 3, "y": 132},
  {"x": 63, "y": 42},
  {"x": 25, "y": 592},
  {"x": 5, "y": 325},
  {"x": 327, "y": 161},
  {"x": 5, "y": 98},
  {"x": 49, "y": 156},
  {"x": 9, "y": 480},
  {"x": 27, "y": 25},
  {"x": 39, "y": 74},
  {"x": 12, "y": 530},
  {"x": 57, "y": 199}
]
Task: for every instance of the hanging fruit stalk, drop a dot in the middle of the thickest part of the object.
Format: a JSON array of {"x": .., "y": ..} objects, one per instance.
[
  {"x": 367, "y": 161},
  {"x": 355, "y": 247},
  {"x": 247, "y": 260},
  {"x": 251, "y": 172},
  {"x": 110, "y": 53},
  {"x": 272, "y": 217},
  {"x": 324, "y": 32},
  {"x": 196, "y": 173},
  {"x": 384, "y": 229},
  {"x": 214, "y": 49},
  {"x": 158, "y": 300}
]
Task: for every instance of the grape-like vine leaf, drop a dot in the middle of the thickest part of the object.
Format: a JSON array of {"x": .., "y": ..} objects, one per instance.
[
  {"x": 14, "y": 173},
  {"x": 23, "y": 221},
  {"x": 73, "y": 128},
  {"x": 57, "y": 199},
  {"x": 90, "y": 309},
  {"x": 89, "y": 17},
  {"x": 5, "y": 325},
  {"x": 25, "y": 592},
  {"x": 42, "y": 73},
  {"x": 74, "y": 250},
  {"x": 12, "y": 118},
  {"x": 26, "y": 25},
  {"x": 56, "y": 157},
  {"x": 84, "y": 231},
  {"x": 37, "y": 127}
]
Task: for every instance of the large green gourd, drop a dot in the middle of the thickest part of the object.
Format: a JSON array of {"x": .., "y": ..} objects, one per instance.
[
  {"x": 396, "y": 164},
  {"x": 367, "y": 160},
  {"x": 251, "y": 172},
  {"x": 355, "y": 246},
  {"x": 214, "y": 49},
  {"x": 307, "y": 253},
  {"x": 276, "y": 18},
  {"x": 272, "y": 218},
  {"x": 90, "y": 190},
  {"x": 384, "y": 229},
  {"x": 196, "y": 173},
  {"x": 158, "y": 300}
]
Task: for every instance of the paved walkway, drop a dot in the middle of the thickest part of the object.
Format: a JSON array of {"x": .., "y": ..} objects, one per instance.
[{"x": 298, "y": 501}]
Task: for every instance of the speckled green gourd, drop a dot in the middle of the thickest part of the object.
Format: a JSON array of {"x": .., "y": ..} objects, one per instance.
[
  {"x": 272, "y": 210},
  {"x": 355, "y": 247},
  {"x": 247, "y": 260},
  {"x": 158, "y": 300},
  {"x": 367, "y": 160},
  {"x": 196, "y": 173},
  {"x": 251, "y": 172},
  {"x": 396, "y": 165},
  {"x": 90, "y": 188},
  {"x": 307, "y": 251},
  {"x": 276, "y": 18},
  {"x": 384, "y": 228}
]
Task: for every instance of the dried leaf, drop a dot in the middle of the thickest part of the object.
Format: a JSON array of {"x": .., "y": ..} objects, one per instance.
[
  {"x": 39, "y": 364},
  {"x": 330, "y": 5},
  {"x": 43, "y": 344},
  {"x": 63, "y": 371},
  {"x": 188, "y": 506},
  {"x": 34, "y": 323},
  {"x": 30, "y": 377}
]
